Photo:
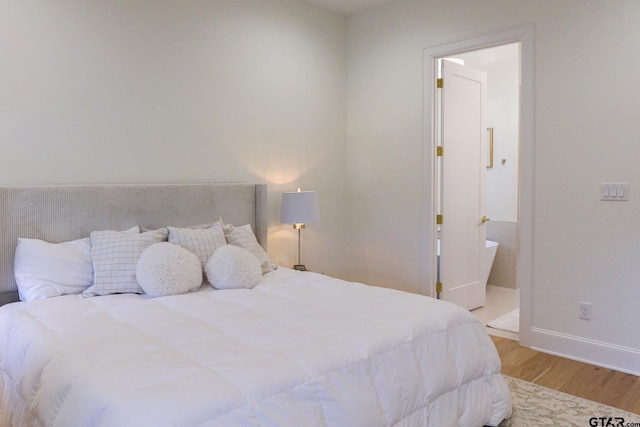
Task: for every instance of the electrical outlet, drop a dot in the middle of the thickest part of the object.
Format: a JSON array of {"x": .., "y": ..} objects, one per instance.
[{"x": 584, "y": 310}]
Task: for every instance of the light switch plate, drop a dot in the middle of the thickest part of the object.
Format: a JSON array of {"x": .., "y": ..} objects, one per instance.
[{"x": 614, "y": 191}]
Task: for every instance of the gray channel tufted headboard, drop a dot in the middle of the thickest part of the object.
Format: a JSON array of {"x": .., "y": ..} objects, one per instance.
[{"x": 58, "y": 213}]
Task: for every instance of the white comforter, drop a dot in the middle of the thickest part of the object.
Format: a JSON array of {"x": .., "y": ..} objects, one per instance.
[{"x": 299, "y": 350}]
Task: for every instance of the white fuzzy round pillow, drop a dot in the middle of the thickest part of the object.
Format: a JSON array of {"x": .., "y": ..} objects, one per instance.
[
  {"x": 233, "y": 267},
  {"x": 168, "y": 269}
]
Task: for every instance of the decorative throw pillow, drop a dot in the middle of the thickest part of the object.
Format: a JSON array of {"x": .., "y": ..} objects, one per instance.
[
  {"x": 244, "y": 237},
  {"x": 115, "y": 257},
  {"x": 232, "y": 267},
  {"x": 45, "y": 270},
  {"x": 201, "y": 242},
  {"x": 168, "y": 269}
]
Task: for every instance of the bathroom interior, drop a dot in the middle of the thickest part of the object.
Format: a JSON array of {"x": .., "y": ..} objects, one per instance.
[{"x": 502, "y": 65}]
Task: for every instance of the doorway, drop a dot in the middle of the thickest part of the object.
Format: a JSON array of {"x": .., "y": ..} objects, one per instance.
[
  {"x": 502, "y": 65},
  {"x": 524, "y": 159}
]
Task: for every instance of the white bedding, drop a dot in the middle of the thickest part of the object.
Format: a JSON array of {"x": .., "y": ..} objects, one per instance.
[{"x": 299, "y": 350}]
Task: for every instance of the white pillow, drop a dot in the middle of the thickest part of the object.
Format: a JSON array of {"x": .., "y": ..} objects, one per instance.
[
  {"x": 168, "y": 269},
  {"x": 244, "y": 237},
  {"x": 202, "y": 242},
  {"x": 115, "y": 257},
  {"x": 45, "y": 270},
  {"x": 232, "y": 267}
]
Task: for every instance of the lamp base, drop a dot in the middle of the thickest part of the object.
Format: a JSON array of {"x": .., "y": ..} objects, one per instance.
[{"x": 300, "y": 267}]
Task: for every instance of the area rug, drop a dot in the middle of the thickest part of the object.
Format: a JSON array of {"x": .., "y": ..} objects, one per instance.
[
  {"x": 535, "y": 406},
  {"x": 510, "y": 322}
]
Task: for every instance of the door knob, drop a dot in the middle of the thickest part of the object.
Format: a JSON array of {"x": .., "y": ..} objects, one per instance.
[{"x": 485, "y": 219}]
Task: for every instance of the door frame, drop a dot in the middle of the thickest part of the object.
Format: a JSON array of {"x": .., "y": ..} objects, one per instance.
[{"x": 524, "y": 229}]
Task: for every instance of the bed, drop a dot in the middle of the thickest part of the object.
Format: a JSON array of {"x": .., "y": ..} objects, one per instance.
[{"x": 295, "y": 349}]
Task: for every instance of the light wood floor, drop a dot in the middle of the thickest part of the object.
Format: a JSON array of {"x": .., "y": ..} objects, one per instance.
[{"x": 579, "y": 379}]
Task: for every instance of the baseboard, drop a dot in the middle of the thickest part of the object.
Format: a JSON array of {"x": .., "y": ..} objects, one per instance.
[{"x": 606, "y": 355}]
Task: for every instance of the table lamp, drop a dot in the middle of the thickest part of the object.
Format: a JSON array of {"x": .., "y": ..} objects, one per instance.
[{"x": 299, "y": 208}]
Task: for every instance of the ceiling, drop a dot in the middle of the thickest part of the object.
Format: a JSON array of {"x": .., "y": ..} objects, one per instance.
[{"x": 347, "y": 7}]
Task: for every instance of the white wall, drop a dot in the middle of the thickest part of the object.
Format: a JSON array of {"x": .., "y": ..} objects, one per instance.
[
  {"x": 586, "y": 113},
  {"x": 180, "y": 91}
]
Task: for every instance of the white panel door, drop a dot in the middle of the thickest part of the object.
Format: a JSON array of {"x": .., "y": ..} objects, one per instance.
[{"x": 463, "y": 170}]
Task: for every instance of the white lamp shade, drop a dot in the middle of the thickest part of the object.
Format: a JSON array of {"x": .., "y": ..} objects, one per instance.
[{"x": 299, "y": 207}]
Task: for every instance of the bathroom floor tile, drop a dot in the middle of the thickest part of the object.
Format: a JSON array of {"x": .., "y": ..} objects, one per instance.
[{"x": 500, "y": 301}]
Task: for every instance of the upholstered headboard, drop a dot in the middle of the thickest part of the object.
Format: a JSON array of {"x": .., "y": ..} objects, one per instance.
[{"x": 58, "y": 213}]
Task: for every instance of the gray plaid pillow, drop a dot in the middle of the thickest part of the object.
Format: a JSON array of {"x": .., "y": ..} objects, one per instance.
[
  {"x": 244, "y": 237},
  {"x": 201, "y": 241},
  {"x": 115, "y": 257}
]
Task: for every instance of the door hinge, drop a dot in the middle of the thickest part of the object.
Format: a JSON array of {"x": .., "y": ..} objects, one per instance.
[
  {"x": 439, "y": 151},
  {"x": 439, "y": 219},
  {"x": 439, "y": 287},
  {"x": 440, "y": 83}
]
